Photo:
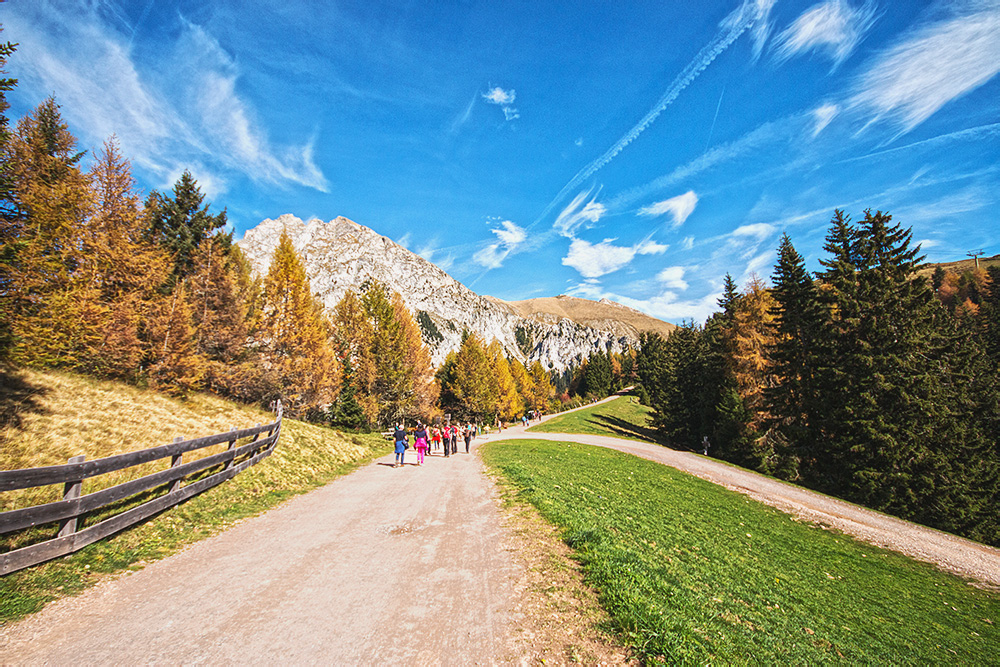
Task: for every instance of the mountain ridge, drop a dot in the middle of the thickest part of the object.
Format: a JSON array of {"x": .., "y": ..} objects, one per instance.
[{"x": 341, "y": 254}]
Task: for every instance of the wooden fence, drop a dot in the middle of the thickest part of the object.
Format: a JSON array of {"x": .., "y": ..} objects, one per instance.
[{"x": 68, "y": 511}]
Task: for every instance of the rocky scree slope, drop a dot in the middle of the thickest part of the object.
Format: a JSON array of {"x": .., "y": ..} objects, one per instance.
[{"x": 341, "y": 255}]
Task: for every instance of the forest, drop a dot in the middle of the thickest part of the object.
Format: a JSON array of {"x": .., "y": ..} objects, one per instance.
[{"x": 865, "y": 381}]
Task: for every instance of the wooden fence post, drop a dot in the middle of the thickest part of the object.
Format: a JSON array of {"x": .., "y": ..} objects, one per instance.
[
  {"x": 175, "y": 461},
  {"x": 232, "y": 444},
  {"x": 71, "y": 491}
]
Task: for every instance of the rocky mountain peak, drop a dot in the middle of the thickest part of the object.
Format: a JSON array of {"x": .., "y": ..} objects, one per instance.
[{"x": 340, "y": 255}]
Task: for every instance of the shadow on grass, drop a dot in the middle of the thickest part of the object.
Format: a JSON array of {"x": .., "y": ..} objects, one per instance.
[
  {"x": 18, "y": 397},
  {"x": 627, "y": 429}
]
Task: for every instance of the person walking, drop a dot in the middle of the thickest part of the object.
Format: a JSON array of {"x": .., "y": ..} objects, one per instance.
[
  {"x": 399, "y": 435},
  {"x": 454, "y": 438},
  {"x": 420, "y": 442},
  {"x": 468, "y": 437}
]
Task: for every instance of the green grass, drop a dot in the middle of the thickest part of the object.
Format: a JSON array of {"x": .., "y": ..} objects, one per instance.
[
  {"x": 623, "y": 417},
  {"x": 692, "y": 573},
  {"x": 306, "y": 457}
]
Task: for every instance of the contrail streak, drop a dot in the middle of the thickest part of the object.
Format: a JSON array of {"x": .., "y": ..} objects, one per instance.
[{"x": 739, "y": 22}]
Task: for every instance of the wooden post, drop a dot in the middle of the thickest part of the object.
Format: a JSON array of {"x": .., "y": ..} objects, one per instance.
[
  {"x": 71, "y": 491},
  {"x": 175, "y": 461},
  {"x": 232, "y": 444}
]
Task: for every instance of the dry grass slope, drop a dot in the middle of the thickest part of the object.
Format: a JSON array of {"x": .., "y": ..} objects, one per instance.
[{"x": 590, "y": 313}]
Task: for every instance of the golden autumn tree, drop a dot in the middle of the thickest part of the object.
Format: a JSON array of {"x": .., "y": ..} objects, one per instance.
[
  {"x": 295, "y": 335},
  {"x": 422, "y": 386},
  {"x": 119, "y": 261},
  {"x": 177, "y": 368},
  {"x": 508, "y": 402},
  {"x": 522, "y": 382},
  {"x": 541, "y": 387},
  {"x": 354, "y": 336},
  {"x": 53, "y": 316},
  {"x": 752, "y": 336}
]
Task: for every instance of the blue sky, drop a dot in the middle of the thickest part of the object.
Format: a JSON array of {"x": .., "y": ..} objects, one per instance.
[{"x": 636, "y": 151}]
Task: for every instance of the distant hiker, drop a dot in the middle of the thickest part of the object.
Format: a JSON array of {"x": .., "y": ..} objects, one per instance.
[
  {"x": 435, "y": 438},
  {"x": 454, "y": 438},
  {"x": 400, "y": 437},
  {"x": 524, "y": 420},
  {"x": 468, "y": 437},
  {"x": 705, "y": 444},
  {"x": 420, "y": 442}
]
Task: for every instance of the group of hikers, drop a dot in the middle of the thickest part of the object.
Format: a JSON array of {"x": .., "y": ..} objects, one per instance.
[{"x": 444, "y": 439}]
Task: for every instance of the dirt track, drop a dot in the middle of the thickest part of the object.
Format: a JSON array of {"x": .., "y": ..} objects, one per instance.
[{"x": 385, "y": 565}]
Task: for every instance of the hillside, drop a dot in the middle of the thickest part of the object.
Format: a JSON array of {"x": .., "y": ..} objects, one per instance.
[
  {"x": 589, "y": 313},
  {"x": 341, "y": 255},
  {"x": 959, "y": 266}
]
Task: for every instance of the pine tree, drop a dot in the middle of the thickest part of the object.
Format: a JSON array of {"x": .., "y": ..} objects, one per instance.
[
  {"x": 792, "y": 402},
  {"x": 597, "y": 377},
  {"x": 180, "y": 223}
]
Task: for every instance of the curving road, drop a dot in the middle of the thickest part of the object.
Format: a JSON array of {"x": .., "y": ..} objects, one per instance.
[{"x": 385, "y": 565}]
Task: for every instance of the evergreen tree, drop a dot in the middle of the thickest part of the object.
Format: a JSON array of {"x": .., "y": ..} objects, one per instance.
[
  {"x": 792, "y": 402},
  {"x": 597, "y": 377},
  {"x": 180, "y": 223}
]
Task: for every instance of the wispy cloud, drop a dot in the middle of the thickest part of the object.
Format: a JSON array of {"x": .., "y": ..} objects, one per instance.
[
  {"x": 579, "y": 213},
  {"x": 463, "y": 117},
  {"x": 164, "y": 123},
  {"x": 748, "y": 14},
  {"x": 679, "y": 207},
  {"x": 757, "y": 230},
  {"x": 433, "y": 254},
  {"x": 594, "y": 260},
  {"x": 833, "y": 28},
  {"x": 935, "y": 64},
  {"x": 823, "y": 115},
  {"x": 510, "y": 239}
]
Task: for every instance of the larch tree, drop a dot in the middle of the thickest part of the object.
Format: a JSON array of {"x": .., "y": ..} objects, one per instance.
[
  {"x": 177, "y": 367},
  {"x": 509, "y": 404},
  {"x": 354, "y": 338},
  {"x": 542, "y": 387},
  {"x": 52, "y": 313},
  {"x": 295, "y": 335}
]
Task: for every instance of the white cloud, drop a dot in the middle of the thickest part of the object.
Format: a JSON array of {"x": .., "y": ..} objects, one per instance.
[
  {"x": 672, "y": 277},
  {"x": 934, "y": 65},
  {"x": 509, "y": 113},
  {"x": 595, "y": 260},
  {"x": 688, "y": 243},
  {"x": 187, "y": 112},
  {"x": 834, "y": 28},
  {"x": 649, "y": 247},
  {"x": 432, "y": 254},
  {"x": 405, "y": 240},
  {"x": 758, "y": 231},
  {"x": 510, "y": 239},
  {"x": 823, "y": 115},
  {"x": 666, "y": 306},
  {"x": 578, "y": 142},
  {"x": 679, "y": 207},
  {"x": 498, "y": 95},
  {"x": 579, "y": 213}
]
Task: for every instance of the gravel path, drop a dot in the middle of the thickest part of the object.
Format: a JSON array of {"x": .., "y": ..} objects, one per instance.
[{"x": 385, "y": 565}]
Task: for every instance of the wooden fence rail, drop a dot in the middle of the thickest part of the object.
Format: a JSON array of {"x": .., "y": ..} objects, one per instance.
[{"x": 73, "y": 506}]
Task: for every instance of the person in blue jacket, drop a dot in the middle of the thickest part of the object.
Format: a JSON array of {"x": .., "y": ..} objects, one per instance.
[{"x": 400, "y": 437}]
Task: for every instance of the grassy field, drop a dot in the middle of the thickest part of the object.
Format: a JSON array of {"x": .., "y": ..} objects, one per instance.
[
  {"x": 692, "y": 573},
  {"x": 623, "y": 417},
  {"x": 48, "y": 417}
]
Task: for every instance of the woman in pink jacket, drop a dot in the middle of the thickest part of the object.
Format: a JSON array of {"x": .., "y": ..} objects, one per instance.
[{"x": 420, "y": 442}]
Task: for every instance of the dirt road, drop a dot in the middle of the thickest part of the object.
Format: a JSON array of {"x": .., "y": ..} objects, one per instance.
[
  {"x": 391, "y": 566},
  {"x": 386, "y": 565}
]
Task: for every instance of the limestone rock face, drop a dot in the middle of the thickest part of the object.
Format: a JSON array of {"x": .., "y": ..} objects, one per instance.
[{"x": 341, "y": 255}]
